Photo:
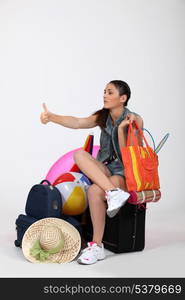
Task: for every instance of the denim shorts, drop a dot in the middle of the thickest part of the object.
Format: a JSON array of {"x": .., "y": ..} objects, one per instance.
[{"x": 115, "y": 167}]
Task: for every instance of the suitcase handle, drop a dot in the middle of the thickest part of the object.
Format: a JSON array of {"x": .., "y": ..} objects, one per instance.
[{"x": 45, "y": 180}]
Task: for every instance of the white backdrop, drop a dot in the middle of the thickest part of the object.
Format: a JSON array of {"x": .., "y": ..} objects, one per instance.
[{"x": 64, "y": 53}]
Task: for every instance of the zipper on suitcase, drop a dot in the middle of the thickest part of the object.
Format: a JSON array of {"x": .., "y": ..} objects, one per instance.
[{"x": 135, "y": 229}]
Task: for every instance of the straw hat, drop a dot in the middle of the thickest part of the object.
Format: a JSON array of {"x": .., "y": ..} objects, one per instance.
[{"x": 51, "y": 240}]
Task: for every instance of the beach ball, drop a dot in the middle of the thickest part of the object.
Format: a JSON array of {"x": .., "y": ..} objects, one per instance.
[{"x": 73, "y": 188}]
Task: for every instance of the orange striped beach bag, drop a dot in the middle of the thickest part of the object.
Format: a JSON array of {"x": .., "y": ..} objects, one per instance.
[{"x": 140, "y": 163}]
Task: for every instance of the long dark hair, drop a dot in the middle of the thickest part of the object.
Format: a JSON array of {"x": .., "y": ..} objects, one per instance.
[{"x": 102, "y": 114}]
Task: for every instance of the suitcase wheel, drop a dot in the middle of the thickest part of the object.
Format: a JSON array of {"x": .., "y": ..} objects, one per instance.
[{"x": 17, "y": 243}]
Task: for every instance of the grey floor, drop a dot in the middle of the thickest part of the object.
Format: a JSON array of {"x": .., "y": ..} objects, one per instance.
[{"x": 163, "y": 255}]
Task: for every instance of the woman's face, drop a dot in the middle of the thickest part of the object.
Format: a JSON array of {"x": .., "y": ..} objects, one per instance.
[{"x": 111, "y": 97}]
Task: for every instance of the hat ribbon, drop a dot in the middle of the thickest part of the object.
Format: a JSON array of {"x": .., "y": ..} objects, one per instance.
[{"x": 41, "y": 254}]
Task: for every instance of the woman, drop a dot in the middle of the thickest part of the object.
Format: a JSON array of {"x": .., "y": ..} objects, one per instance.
[{"x": 106, "y": 171}]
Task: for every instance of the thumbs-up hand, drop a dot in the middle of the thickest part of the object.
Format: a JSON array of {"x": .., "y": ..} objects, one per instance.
[{"x": 45, "y": 115}]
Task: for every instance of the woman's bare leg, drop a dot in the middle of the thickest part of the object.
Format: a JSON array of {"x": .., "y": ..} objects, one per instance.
[
  {"x": 98, "y": 206},
  {"x": 101, "y": 176},
  {"x": 93, "y": 169}
]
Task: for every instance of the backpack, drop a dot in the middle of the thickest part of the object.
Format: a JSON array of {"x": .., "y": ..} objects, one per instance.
[{"x": 43, "y": 201}]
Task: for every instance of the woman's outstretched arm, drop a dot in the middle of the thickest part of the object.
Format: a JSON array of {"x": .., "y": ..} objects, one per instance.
[{"x": 67, "y": 121}]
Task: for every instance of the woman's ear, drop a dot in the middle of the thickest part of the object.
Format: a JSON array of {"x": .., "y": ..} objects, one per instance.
[{"x": 123, "y": 98}]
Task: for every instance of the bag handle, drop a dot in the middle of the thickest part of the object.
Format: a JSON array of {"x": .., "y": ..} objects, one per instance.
[
  {"x": 45, "y": 180},
  {"x": 131, "y": 134}
]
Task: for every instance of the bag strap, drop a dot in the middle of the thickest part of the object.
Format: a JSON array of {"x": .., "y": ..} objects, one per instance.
[
  {"x": 154, "y": 147},
  {"x": 131, "y": 134},
  {"x": 45, "y": 180}
]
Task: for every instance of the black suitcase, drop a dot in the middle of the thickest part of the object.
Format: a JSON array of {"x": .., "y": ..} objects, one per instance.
[
  {"x": 123, "y": 233},
  {"x": 44, "y": 201},
  {"x": 24, "y": 221}
]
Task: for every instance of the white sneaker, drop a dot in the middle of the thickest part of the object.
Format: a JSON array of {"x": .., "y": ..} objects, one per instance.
[
  {"x": 91, "y": 254},
  {"x": 115, "y": 199}
]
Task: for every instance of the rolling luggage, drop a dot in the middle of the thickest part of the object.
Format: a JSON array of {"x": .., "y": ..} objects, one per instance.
[
  {"x": 123, "y": 233},
  {"x": 43, "y": 201},
  {"x": 24, "y": 221}
]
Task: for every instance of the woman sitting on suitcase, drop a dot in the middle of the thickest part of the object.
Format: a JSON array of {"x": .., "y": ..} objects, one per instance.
[{"x": 108, "y": 191}]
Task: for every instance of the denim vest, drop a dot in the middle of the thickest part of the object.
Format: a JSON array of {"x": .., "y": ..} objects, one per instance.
[{"x": 109, "y": 138}]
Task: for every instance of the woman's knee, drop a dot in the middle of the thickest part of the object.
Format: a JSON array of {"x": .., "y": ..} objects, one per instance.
[{"x": 78, "y": 154}]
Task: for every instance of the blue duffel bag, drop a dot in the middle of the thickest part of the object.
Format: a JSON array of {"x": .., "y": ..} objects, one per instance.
[{"x": 43, "y": 201}]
